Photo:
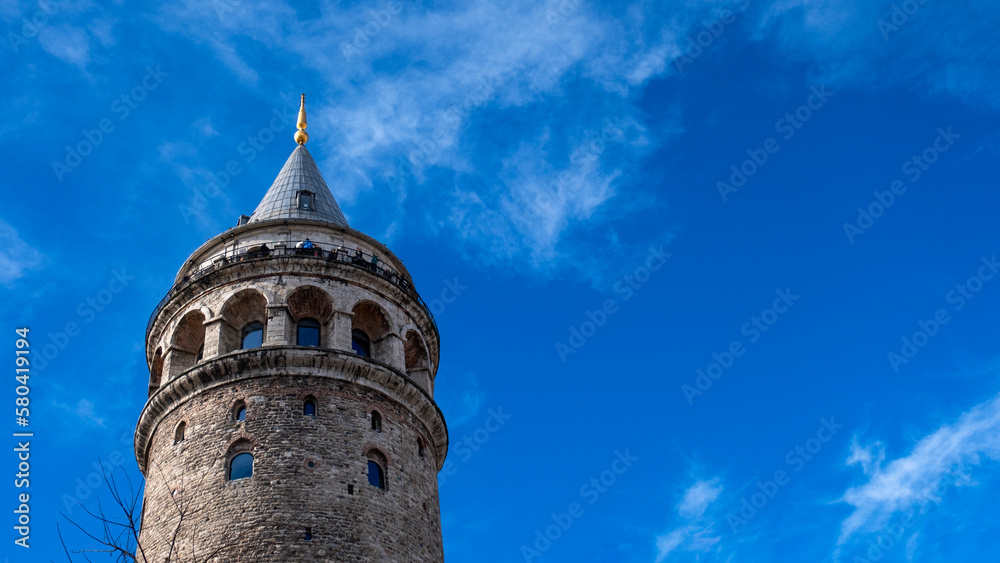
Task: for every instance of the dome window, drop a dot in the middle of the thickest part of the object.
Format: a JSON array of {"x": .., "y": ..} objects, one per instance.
[{"x": 306, "y": 201}]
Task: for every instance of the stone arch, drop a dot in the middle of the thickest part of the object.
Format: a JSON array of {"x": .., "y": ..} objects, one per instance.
[
  {"x": 187, "y": 344},
  {"x": 238, "y": 446},
  {"x": 240, "y": 406},
  {"x": 375, "y": 452},
  {"x": 416, "y": 362},
  {"x": 376, "y": 420},
  {"x": 415, "y": 352},
  {"x": 241, "y": 309},
  {"x": 311, "y": 302},
  {"x": 421, "y": 446},
  {"x": 376, "y": 461},
  {"x": 313, "y": 392},
  {"x": 156, "y": 371},
  {"x": 373, "y": 320},
  {"x": 310, "y": 406},
  {"x": 241, "y": 443},
  {"x": 180, "y": 431}
]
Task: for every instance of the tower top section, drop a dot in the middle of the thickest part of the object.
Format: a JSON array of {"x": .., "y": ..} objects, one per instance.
[{"x": 299, "y": 191}]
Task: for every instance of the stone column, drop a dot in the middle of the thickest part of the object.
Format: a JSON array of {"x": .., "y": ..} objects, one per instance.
[
  {"x": 422, "y": 377},
  {"x": 177, "y": 360},
  {"x": 215, "y": 344},
  {"x": 390, "y": 351},
  {"x": 279, "y": 326},
  {"x": 340, "y": 330}
]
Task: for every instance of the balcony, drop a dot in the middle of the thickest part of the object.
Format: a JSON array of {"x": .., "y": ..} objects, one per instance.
[{"x": 355, "y": 258}]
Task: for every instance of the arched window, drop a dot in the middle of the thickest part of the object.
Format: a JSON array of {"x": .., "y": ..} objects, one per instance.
[
  {"x": 376, "y": 476},
  {"x": 245, "y": 314},
  {"x": 420, "y": 447},
  {"x": 179, "y": 433},
  {"x": 240, "y": 411},
  {"x": 309, "y": 407},
  {"x": 308, "y": 332},
  {"x": 253, "y": 335},
  {"x": 377, "y": 464},
  {"x": 369, "y": 327},
  {"x": 360, "y": 343},
  {"x": 241, "y": 466},
  {"x": 376, "y": 421}
]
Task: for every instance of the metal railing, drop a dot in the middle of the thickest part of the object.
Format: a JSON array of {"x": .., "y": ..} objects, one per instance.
[{"x": 263, "y": 250}]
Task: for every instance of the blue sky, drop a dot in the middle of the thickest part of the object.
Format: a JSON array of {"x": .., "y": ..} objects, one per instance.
[{"x": 726, "y": 269}]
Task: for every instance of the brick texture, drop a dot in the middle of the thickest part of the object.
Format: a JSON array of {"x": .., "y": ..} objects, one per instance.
[{"x": 309, "y": 472}]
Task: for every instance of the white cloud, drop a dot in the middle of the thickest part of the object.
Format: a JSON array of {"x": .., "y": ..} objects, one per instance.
[
  {"x": 84, "y": 410},
  {"x": 473, "y": 95},
  {"x": 865, "y": 43},
  {"x": 16, "y": 256},
  {"x": 491, "y": 101},
  {"x": 949, "y": 454},
  {"x": 698, "y": 497},
  {"x": 695, "y": 532},
  {"x": 205, "y": 127},
  {"x": 67, "y": 43},
  {"x": 870, "y": 458}
]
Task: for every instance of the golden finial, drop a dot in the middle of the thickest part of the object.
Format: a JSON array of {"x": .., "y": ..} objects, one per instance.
[{"x": 301, "y": 136}]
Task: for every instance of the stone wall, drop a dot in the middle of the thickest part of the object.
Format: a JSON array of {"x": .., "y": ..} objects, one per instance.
[
  {"x": 264, "y": 517},
  {"x": 309, "y": 472}
]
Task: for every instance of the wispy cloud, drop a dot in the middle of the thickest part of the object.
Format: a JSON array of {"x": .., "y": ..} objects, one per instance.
[
  {"x": 84, "y": 411},
  {"x": 695, "y": 531},
  {"x": 698, "y": 497},
  {"x": 67, "y": 43},
  {"x": 464, "y": 399},
  {"x": 936, "y": 48},
  {"x": 16, "y": 256},
  {"x": 951, "y": 452},
  {"x": 460, "y": 112},
  {"x": 484, "y": 123}
]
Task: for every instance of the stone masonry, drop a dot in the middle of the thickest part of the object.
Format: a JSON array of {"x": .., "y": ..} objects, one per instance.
[{"x": 309, "y": 497}]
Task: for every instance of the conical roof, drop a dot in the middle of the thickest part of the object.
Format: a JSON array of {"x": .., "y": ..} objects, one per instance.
[{"x": 284, "y": 201}]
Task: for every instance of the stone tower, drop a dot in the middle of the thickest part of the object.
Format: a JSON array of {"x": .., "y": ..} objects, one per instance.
[{"x": 291, "y": 412}]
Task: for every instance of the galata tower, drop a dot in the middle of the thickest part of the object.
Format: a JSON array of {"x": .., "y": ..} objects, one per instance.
[{"x": 291, "y": 412}]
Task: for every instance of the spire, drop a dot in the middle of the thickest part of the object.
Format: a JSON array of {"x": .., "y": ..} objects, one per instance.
[
  {"x": 301, "y": 137},
  {"x": 299, "y": 191}
]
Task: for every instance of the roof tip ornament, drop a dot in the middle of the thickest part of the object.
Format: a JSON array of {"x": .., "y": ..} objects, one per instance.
[{"x": 301, "y": 137}]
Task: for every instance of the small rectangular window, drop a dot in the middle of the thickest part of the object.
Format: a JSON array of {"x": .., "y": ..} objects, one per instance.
[
  {"x": 309, "y": 534},
  {"x": 305, "y": 200}
]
